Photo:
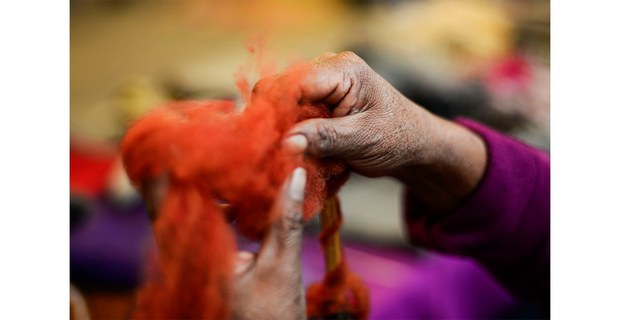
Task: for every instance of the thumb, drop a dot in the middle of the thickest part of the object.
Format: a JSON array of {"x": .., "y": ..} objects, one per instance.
[
  {"x": 285, "y": 237},
  {"x": 331, "y": 137}
]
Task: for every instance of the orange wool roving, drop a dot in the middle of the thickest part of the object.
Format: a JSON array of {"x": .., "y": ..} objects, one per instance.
[{"x": 211, "y": 152}]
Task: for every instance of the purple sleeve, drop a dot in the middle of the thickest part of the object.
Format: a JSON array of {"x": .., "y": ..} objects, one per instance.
[{"x": 504, "y": 224}]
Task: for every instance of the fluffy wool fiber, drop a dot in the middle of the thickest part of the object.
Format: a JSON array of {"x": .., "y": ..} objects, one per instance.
[{"x": 212, "y": 152}]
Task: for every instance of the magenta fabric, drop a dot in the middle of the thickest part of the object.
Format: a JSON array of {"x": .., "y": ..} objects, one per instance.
[
  {"x": 415, "y": 284},
  {"x": 504, "y": 224}
]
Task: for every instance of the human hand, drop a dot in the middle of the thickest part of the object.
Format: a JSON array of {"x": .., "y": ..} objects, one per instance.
[
  {"x": 379, "y": 132},
  {"x": 375, "y": 128},
  {"x": 268, "y": 285}
]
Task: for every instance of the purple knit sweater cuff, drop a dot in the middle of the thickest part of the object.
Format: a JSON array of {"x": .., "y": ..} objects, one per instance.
[
  {"x": 504, "y": 217},
  {"x": 504, "y": 224}
]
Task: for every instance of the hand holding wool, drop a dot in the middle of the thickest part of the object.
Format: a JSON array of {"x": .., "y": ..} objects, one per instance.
[
  {"x": 208, "y": 153},
  {"x": 379, "y": 132},
  {"x": 266, "y": 285}
]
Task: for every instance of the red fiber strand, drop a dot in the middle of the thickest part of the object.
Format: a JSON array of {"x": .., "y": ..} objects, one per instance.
[
  {"x": 341, "y": 291},
  {"x": 210, "y": 152}
]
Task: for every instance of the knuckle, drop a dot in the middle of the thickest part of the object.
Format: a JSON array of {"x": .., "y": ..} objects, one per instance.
[
  {"x": 293, "y": 224},
  {"x": 325, "y": 56},
  {"x": 357, "y": 66},
  {"x": 350, "y": 56},
  {"x": 352, "y": 59},
  {"x": 327, "y": 136}
]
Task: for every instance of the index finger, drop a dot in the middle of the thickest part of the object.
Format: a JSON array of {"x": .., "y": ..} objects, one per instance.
[{"x": 332, "y": 79}]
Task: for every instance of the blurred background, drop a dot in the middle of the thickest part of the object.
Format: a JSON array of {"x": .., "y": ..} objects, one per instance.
[{"x": 483, "y": 59}]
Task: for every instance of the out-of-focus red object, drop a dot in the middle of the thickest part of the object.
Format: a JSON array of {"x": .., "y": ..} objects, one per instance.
[
  {"x": 209, "y": 151},
  {"x": 90, "y": 165},
  {"x": 511, "y": 74}
]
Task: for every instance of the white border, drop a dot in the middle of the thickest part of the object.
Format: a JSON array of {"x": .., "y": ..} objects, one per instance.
[
  {"x": 585, "y": 160},
  {"x": 34, "y": 165}
]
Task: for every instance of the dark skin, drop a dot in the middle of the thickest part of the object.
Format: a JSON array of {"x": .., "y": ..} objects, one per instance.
[
  {"x": 267, "y": 284},
  {"x": 379, "y": 132}
]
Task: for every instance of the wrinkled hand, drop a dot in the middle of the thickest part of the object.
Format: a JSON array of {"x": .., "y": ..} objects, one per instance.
[
  {"x": 375, "y": 128},
  {"x": 379, "y": 132},
  {"x": 268, "y": 285}
]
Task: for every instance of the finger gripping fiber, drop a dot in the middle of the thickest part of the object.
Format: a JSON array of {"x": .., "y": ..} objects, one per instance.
[{"x": 211, "y": 151}]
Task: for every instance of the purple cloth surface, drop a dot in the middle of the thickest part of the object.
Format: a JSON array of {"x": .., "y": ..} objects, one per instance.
[
  {"x": 108, "y": 250},
  {"x": 407, "y": 285},
  {"x": 505, "y": 222}
]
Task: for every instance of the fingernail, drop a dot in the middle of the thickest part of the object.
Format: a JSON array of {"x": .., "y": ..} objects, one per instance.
[
  {"x": 297, "y": 143},
  {"x": 298, "y": 184}
]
